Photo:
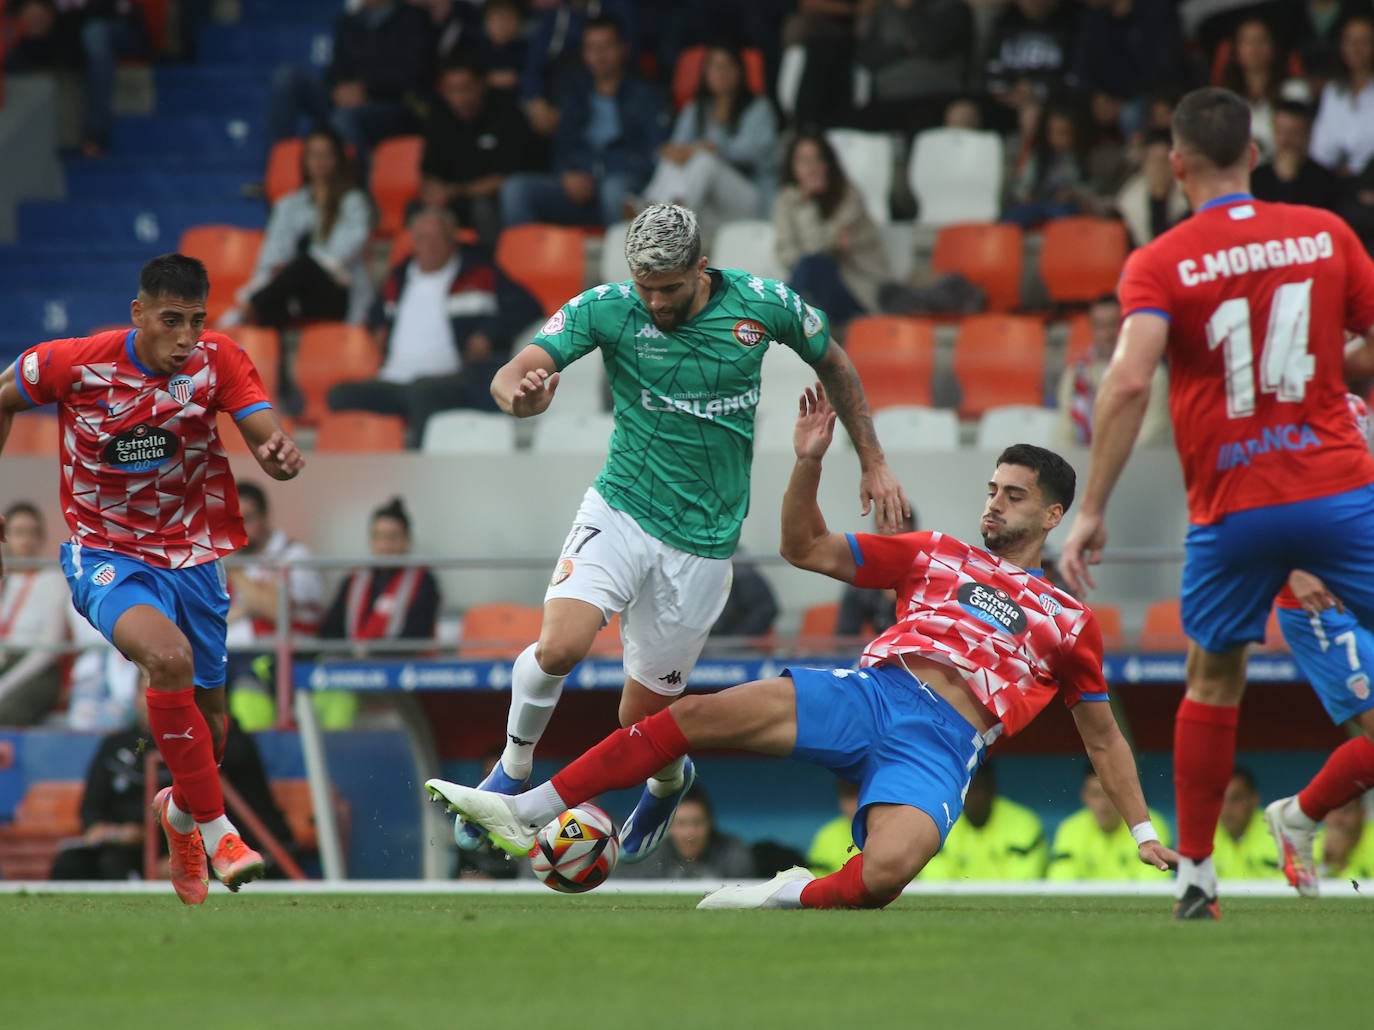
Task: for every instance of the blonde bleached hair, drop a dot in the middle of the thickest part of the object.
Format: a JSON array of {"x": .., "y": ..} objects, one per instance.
[{"x": 663, "y": 238}]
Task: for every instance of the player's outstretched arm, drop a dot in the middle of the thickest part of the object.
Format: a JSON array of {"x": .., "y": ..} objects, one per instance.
[
  {"x": 806, "y": 540},
  {"x": 525, "y": 384},
  {"x": 276, "y": 452},
  {"x": 1115, "y": 765},
  {"x": 877, "y": 484}
]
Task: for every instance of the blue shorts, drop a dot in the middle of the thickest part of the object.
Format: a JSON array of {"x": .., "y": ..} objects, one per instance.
[
  {"x": 1336, "y": 655},
  {"x": 1233, "y": 569},
  {"x": 885, "y": 730},
  {"x": 105, "y": 585}
]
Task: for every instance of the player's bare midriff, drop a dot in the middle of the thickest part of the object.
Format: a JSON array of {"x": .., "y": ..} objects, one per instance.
[{"x": 950, "y": 686}]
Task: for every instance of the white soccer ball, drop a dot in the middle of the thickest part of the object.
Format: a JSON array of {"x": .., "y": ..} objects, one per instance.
[{"x": 576, "y": 851}]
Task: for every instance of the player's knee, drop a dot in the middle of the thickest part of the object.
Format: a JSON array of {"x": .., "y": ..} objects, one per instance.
[
  {"x": 169, "y": 666},
  {"x": 558, "y": 655},
  {"x": 887, "y": 872}
]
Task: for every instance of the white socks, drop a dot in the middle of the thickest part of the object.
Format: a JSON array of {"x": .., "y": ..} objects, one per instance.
[
  {"x": 181, "y": 821},
  {"x": 789, "y": 895},
  {"x": 538, "y": 805},
  {"x": 1295, "y": 816},
  {"x": 667, "y": 780},
  {"x": 213, "y": 831},
  {"x": 1202, "y": 873},
  {"x": 533, "y": 696}
]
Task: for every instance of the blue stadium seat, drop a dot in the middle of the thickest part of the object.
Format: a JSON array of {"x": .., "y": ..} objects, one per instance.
[
  {"x": 128, "y": 224},
  {"x": 73, "y": 311},
  {"x": 270, "y": 12},
  {"x": 94, "y": 274},
  {"x": 93, "y": 180},
  {"x": 214, "y": 139},
  {"x": 249, "y": 46}
]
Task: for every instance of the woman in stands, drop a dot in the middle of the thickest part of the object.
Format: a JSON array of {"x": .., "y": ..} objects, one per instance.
[
  {"x": 826, "y": 239},
  {"x": 720, "y": 159},
  {"x": 1257, "y": 70}
]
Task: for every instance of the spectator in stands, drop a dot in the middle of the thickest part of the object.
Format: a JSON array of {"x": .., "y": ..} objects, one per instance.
[
  {"x": 93, "y": 35},
  {"x": 1054, "y": 177},
  {"x": 1095, "y": 844},
  {"x": 611, "y": 125},
  {"x": 490, "y": 35},
  {"x": 376, "y": 83},
  {"x": 995, "y": 838},
  {"x": 1345, "y": 848},
  {"x": 312, "y": 264},
  {"x": 1343, "y": 134},
  {"x": 1125, "y": 49},
  {"x": 114, "y": 803},
  {"x": 1290, "y": 176},
  {"x": 826, "y": 239},
  {"x": 833, "y": 844},
  {"x": 447, "y": 318},
  {"x": 696, "y": 849},
  {"x": 917, "y": 56},
  {"x": 1358, "y": 208},
  {"x": 668, "y": 27},
  {"x": 827, "y": 33},
  {"x": 963, "y": 113},
  {"x": 555, "y": 58},
  {"x": 1317, "y": 31},
  {"x": 1078, "y": 383},
  {"x": 751, "y": 607},
  {"x": 1029, "y": 56},
  {"x": 254, "y": 592},
  {"x": 1258, "y": 71},
  {"x": 1150, "y": 201},
  {"x": 1244, "y": 849},
  {"x": 721, "y": 160},
  {"x": 105, "y": 686},
  {"x": 474, "y": 138},
  {"x": 33, "y": 606},
  {"x": 867, "y": 611}
]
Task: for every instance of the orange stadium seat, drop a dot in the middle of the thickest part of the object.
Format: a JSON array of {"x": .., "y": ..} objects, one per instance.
[
  {"x": 607, "y": 643},
  {"x": 1080, "y": 342},
  {"x": 352, "y": 431},
  {"x": 298, "y": 808},
  {"x": 47, "y": 814},
  {"x": 499, "y": 630},
  {"x": 1109, "y": 622},
  {"x": 230, "y": 255},
  {"x": 687, "y": 73},
  {"x": 263, "y": 347},
  {"x": 284, "y": 168},
  {"x": 999, "y": 360},
  {"x": 329, "y": 353},
  {"x": 986, "y": 254},
  {"x": 1163, "y": 627},
  {"x": 548, "y": 260},
  {"x": 895, "y": 358},
  {"x": 33, "y": 433},
  {"x": 819, "y": 620},
  {"x": 395, "y": 180},
  {"x": 1081, "y": 258}
]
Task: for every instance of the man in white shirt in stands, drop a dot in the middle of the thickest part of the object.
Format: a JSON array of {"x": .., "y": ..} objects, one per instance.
[{"x": 33, "y": 606}]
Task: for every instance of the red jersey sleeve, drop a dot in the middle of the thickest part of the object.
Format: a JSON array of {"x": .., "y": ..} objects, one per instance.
[
  {"x": 1144, "y": 284},
  {"x": 1080, "y": 672},
  {"x": 240, "y": 391},
  {"x": 1359, "y": 282},
  {"x": 43, "y": 373},
  {"x": 884, "y": 561}
]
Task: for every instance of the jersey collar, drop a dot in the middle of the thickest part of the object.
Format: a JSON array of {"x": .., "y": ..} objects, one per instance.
[
  {"x": 129, "y": 351},
  {"x": 1229, "y": 198}
]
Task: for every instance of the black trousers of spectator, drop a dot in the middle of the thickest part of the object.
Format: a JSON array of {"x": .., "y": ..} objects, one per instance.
[
  {"x": 302, "y": 289},
  {"x": 418, "y": 399},
  {"x": 99, "y": 862}
]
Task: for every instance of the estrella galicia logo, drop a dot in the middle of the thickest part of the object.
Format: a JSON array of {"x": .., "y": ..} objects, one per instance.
[
  {"x": 995, "y": 607},
  {"x": 140, "y": 449},
  {"x": 104, "y": 575}
]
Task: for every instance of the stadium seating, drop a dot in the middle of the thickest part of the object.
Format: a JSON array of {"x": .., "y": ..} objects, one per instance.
[
  {"x": 1018, "y": 423},
  {"x": 329, "y": 353},
  {"x": 1109, "y": 622},
  {"x": 284, "y": 168},
  {"x": 1162, "y": 629},
  {"x": 1080, "y": 341},
  {"x": 292, "y": 796},
  {"x": 607, "y": 643},
  {"x": 499, "y": 630},
  {"x": 907, "y": 427},
  {"x": 74, "y": 309},
  {"x": 356, "y": 431},
  {"x": 395, "y": 180},
  {"x": 899, "y": 246},
  {"x": 548, "y": 260},
  {"x": 556, "y": 432},
  {"x": 956, "y": 175},
  {"x": 750, "y": 244},
  {"x": 895, "y": 358},
  {"x": 999, "y": 359},
  {"x": 129, "y": 224},
  {"x": 468, "y": 432},
  {"x": 263, "y": 347},
  {"x": 819, "y": 620},
  {"x": 47, "y": 814},
  {"x": 230, "y": 254},
  {"x": 988, "y": 255},
  {"x": 612, "y": 267},
  {"x": 33, "y": 433},
  {"x": 1081, "y": 258},
  {"x": 687, "y": 73},
  {"x": 867, "y": 159}
]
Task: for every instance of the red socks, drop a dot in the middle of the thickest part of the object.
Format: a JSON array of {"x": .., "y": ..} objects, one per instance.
[
  {"x": 627, "y": 757},
  {"x": 1347, "y": 774},
  {"x": 1204, "y": 756},
  {"x": 183, "y": 737},
  {"x": 843, "y": 888},
  {"x": 223, "y": 740}
]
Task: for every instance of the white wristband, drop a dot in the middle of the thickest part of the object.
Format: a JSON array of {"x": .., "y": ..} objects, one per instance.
[{"x": 1143, "y": 832}]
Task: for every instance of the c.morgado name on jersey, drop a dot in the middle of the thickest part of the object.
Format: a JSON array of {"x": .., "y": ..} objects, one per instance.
[
  {"x": 1256, "y": 257},
  {"x": 700, "y": 408}
]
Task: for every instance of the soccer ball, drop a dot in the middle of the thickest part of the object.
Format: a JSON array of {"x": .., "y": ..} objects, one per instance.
[{"x": 577, "y": 851}]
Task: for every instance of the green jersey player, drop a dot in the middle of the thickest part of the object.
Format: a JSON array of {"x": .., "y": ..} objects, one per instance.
[{"x": 683, "y": 348}]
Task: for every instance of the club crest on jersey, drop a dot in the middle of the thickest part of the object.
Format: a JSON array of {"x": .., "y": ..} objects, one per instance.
[
  {"x": 561, "y": 572},
  {"x": 140, "y": 449},
  {"x": 1358, "y": 685},
  {"x": 749, "y": 332},
  {"x": 181, "y": 388},
  {"x": 555, "y": 324},
  {"x": 993, "y": 606},
  {"x": 30, "y": 367},
  {"x": 1051, "y": 606},
  {"x": 811, "y": 321},
  {"x": 103, "y": 575}
]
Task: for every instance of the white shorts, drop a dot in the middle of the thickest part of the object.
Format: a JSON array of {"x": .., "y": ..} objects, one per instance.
[{"x": 668, "y": 600}]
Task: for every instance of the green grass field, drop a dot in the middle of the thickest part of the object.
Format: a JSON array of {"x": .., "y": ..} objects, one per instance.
[{"x": 115, "y": 961}]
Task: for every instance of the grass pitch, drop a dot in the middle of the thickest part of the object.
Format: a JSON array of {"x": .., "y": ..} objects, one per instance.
[{"x": 343, "y": 961}]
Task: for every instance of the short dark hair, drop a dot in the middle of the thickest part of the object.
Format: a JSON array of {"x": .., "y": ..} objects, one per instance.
[
  {"x": 176, "y": 276},
  {"x": 1297, "y": 108},
  {"x": 1054, "y": 475},
  {"x": 604, "y": 21},
  {"x": 1246, "y": 777},
  {"x": 24, "y": 508},
  {"x": 256, "y": 494},
  {"x": 1214, "y": 124},
  {"x": 394, "y": 509}
]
